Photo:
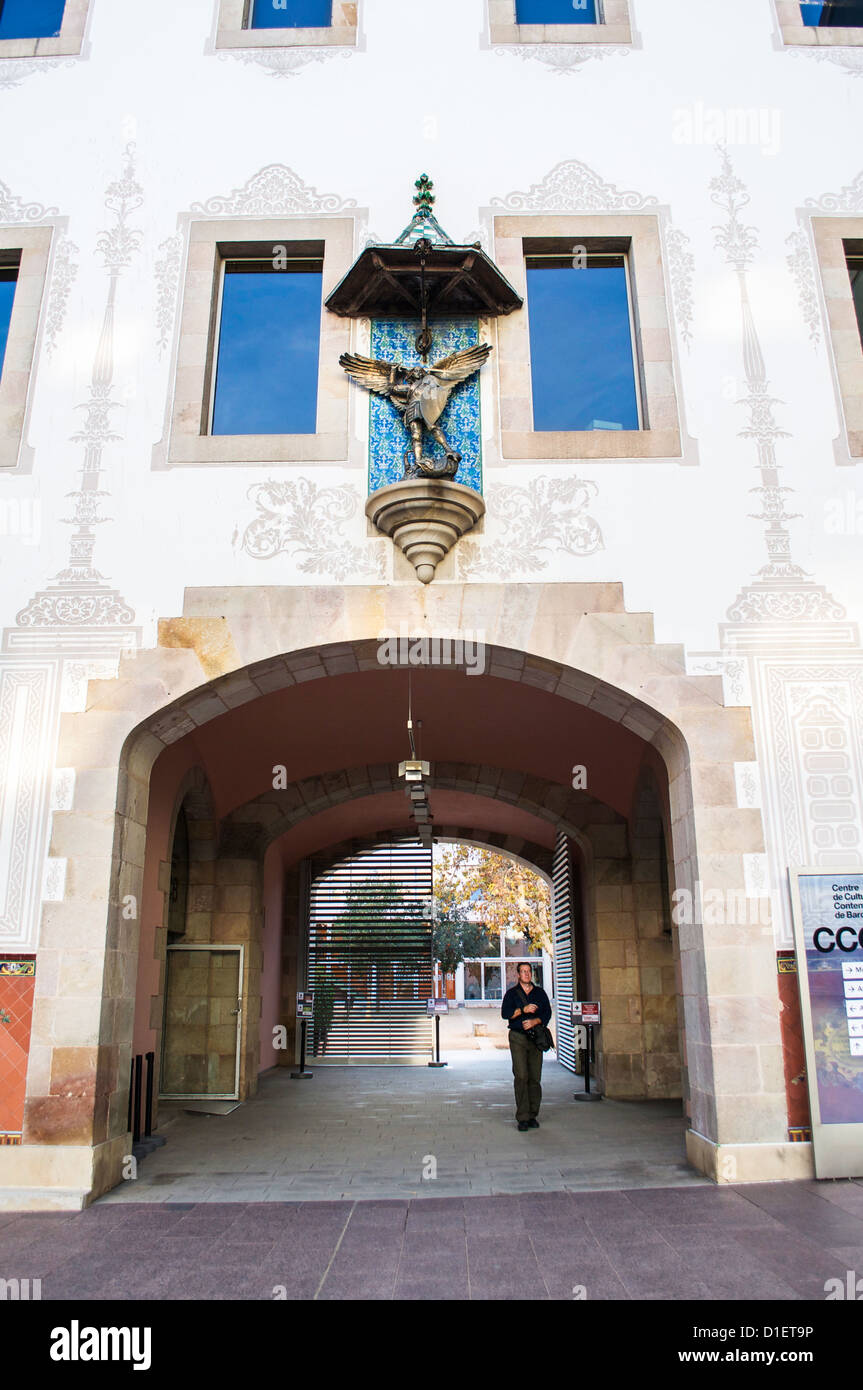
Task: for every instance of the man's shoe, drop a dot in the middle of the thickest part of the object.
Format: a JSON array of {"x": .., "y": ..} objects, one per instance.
[
  {"x": 533, "y": 1124},
  {"x": 523, "y": 1126}
]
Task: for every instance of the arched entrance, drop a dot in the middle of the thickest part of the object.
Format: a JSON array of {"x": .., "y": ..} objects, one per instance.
[{"x": 298, "y": 749}]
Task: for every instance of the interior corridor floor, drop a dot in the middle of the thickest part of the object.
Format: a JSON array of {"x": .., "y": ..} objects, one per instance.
[{"x": 409, "y": 1132}]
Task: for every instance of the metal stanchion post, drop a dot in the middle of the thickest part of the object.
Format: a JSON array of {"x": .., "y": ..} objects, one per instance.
[
  {"x": 589, "y": 1056},
  {"x": 136, "y": 1112},
  {"x": 148, "y": 1101},
  {"x": 438, "y": 1062},
  {"x": 302, "y": 1074},
  {"x": 150, "y": 1140}
]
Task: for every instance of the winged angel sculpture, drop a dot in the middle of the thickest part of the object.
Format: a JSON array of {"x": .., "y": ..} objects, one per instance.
[{"x": 421, "y": 395}]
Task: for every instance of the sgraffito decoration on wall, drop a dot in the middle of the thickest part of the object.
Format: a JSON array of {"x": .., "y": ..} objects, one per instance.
[
  {"x": 14, "y": 71},
  {"x": 79, "y": 595},
  {"x": 528, "y": 524},
  {"x": 13, "y": 210},
  {"x": 167, "y": 287},
  {"x": 274, "y": 191},
  {"x": 563, "y": 58},
  {"x": 800, "y": 263},
  {"x": 63, "y": 276},
  {"x": 304, "y": 520},
  {"x": 285, "y": 62},
  {"x": 394, "y": 340},
  {"x": 782, "y": 591}
]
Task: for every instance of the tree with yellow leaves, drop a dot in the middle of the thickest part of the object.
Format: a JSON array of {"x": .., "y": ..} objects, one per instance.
[{"x": 475, "y": 886}]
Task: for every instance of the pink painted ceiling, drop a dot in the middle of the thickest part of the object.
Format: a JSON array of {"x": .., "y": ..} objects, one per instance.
[
  {"x": 389, "y": 811},
  {"x": 351, "y": 720}
]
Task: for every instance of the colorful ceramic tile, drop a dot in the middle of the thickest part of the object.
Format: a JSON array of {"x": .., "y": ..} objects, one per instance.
[
  {"x": 393, "y": 340},
  {"x": 13, "y": 966},
  {"x": 16, "y": 1016}
]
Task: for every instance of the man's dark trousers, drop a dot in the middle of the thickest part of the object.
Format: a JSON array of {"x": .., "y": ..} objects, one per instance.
[{"x": 526, "y": 1071}]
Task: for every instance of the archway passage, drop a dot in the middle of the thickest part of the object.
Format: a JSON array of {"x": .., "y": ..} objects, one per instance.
[
  {"x": 278, "y": 799},
  {"x": 304, "y": 774},
  {"x": 582, "y": 685}
]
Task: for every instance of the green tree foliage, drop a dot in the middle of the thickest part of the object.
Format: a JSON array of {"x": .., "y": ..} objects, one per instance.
[{"x": 367, "y": 906}]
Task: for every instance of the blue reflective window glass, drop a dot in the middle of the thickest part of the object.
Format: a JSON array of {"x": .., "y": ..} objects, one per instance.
[
  {"x": 840, "y": 14},
  {"x": 556, "y": 12},
  {"x": 269, "y": 345},
  {"x": 581, "y": 355},
  {"x": 855, "y": 270},
  {"x": 30, "y": 19},
  {"x": 8, "y": 279},
  {"x": 292, "y": 14}
]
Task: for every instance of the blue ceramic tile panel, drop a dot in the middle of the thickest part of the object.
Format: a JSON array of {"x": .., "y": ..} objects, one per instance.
[{"x": 392, "y": 340}]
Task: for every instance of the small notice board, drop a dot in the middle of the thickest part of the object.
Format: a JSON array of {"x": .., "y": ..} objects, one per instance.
[
  {"x": 306, "y": 1004},
  {"x": 586, "y": 1011}
]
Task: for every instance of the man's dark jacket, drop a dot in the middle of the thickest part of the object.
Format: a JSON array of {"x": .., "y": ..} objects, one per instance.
[{"x": 516, "y": 998}]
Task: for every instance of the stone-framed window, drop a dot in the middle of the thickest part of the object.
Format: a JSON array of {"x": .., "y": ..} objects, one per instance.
[
  {"x": 328, "y": 240},
  {"x": 839, "y": 247},
  {"x": 65, "y": 44},
  {"x": 234, "y": 28},
  {"x": 614, "y": 26},
  {"x": 795, "y": 30},
  {"x": 517, "y": 239},
  {"x": 27, "y": 251}
]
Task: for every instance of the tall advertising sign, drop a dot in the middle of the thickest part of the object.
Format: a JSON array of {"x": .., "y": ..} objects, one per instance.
[{"x": 828, "y": 935}]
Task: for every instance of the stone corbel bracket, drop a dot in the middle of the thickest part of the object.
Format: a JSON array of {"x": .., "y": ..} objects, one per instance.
[{"x": 425, "y": 518}]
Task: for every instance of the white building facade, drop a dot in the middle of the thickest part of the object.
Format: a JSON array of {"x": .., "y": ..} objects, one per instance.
[{"x": 674, "y": 604}]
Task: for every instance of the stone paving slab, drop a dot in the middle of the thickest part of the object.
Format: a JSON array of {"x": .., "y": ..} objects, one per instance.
[
  {"x": 356, "y": 1133},
  {"x": 670, "y": 1244}
]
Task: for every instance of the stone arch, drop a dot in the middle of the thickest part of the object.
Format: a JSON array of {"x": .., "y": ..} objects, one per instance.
[
  {"x": 275, "y": 813},
  {"x": 575, "y": 642}
]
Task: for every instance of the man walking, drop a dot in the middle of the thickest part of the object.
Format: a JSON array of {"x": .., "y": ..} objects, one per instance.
[{"x": 525, "y": 1006}]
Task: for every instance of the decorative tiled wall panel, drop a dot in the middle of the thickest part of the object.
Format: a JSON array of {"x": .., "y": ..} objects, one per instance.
[{"x": 393, "y": 340}]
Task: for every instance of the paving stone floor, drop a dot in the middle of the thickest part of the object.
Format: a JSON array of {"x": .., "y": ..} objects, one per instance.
[
  {"x": 754, "y": 1243},
  {"x": 314, "y": 1189},
  {"x": 372, "y": 1132}
]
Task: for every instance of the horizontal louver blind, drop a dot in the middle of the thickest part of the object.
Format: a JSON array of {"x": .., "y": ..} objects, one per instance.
[
  {"x": 370, "y": 956},
  {"x": 561, "y": 916}
]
